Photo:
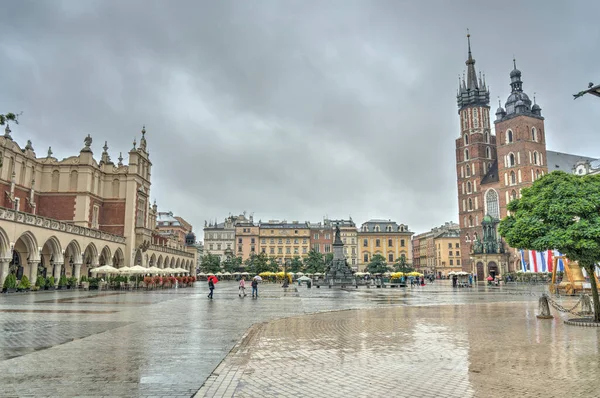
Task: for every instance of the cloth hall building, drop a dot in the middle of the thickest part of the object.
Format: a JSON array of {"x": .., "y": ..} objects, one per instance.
[
  {"x": 492, "y": 169},
  {"x": 64, "y": 217}
]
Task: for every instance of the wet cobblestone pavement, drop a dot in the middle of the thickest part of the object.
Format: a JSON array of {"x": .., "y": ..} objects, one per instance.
[{"x": 425, "y": 342}]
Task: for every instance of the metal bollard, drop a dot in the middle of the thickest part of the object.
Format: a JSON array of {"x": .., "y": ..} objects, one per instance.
[
  {"x": 586, "y": 304},
  {"x": 544, "y": 308}
]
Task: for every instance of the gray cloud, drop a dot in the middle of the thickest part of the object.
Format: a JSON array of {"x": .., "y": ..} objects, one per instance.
[{"x": 290, "y": 109}]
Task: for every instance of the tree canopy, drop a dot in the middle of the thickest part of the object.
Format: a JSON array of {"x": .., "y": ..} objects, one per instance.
[
  {"x": 314, "y": 262},
  {"x": 295, "y": 265},
  {"x": 559, "y": 211},
  {"x": 377, "y": 265},
  {"x": 401, "y": 265},
  {"x": 232, "y": 264},
  {"x": 211, "y": 263}
]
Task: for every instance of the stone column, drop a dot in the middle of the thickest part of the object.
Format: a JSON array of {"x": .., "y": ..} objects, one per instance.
[
  {"x": 33, "y": 271},
  {"x": 4, "y": 267},
  {"x": 77, "y": 271},
  {"x": 57, "y": 269}
]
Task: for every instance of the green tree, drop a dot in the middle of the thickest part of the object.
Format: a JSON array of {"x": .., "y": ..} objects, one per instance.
[
  {"x": 401, "y": 265},
  {"x": 377, "y": 265},
  {"x": 273, "y": 265},
  {"x": 314, "y": 262},
  {"x": 257, "y": 263},
  {"x": 211, "y": 263},
  {"x": 295, "y": 265},
  {"x": 328, "y": 260},
  {"x": 559, "y": 211},
  {"x": 232, "y": 264}
]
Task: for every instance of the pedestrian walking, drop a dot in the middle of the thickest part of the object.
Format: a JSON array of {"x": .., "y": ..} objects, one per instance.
[
  {"x": 211, "y": 286},
  {"x": 254, "y": 288},
  {"x": 242, "y": 287}
]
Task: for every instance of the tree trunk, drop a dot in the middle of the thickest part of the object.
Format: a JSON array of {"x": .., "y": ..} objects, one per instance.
[{"x": 590, "y": 270}]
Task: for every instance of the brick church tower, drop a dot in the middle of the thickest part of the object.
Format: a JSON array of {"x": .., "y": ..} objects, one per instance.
[
  {"x": 521, "y": 142},
  {"x": 475, "y": 153}
]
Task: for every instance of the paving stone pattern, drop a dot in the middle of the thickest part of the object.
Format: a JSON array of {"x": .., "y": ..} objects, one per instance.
[{"x": 175, "y": 342}]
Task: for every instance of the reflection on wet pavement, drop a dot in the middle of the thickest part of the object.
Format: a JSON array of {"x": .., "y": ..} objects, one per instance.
[{"x": 168, "y": 343}]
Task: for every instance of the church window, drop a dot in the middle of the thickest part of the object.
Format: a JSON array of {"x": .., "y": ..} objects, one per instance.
[
  {"x": 465, "y": 221},
  {"x": 535, "y": 157},
  {"x": 534, "y": 136},
  {"x": 488, "y": 152},
  {"x": 513, "y": 178},
  {"x": 509, "y": 136},
  {"x": 470, "y": 221},
  {"x": 491, "y": 203},
  {"x": 468, "y": 238},
  {"x": 511, "y": 159},
  {"x": 468, "y": 186},
  {"x": 466, "y": 139},
  {"x": 475, "y": 118},
  {"x": 487, "y": 138},
  {"x": 470, "y": 204},
  {"x": 466, "y": 154},
  {"x": 513, "y": 195},
  {"x": 537, "y": 174},
  {"x": 468, "y": 168},
  {"x": 465, "y": 124}
]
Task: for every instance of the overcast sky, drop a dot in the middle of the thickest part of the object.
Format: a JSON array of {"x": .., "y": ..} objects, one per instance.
[{"x": 291, "y": 109}]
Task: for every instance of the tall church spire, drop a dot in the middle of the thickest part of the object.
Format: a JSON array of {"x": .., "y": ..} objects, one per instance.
[
  {"x": 471, "y": 74},
  {"x": 472, "y": 92}
]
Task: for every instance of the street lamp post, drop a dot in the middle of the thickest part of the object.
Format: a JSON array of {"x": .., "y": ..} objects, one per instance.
[
  {"x": 285, "y": 278},
  {"x": 594, "y": 90}
]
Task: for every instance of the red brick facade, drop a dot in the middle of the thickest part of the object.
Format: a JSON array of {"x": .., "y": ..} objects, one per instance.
[{"x": 112, "y": 216}]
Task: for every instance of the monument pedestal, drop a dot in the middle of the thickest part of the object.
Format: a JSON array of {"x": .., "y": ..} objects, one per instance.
[{"x": 339, "y": 274}]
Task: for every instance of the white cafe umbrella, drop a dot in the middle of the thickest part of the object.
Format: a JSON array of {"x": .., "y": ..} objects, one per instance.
[
  {"x": 138, "y": 269},
  {"x": 155, "y": 270},
  {"x": 227, "y": 273},
  {"x": 245, "y": 273},
  {"x": 105, "y": 269},
  {"x": 170, "y": 271},
  {"x": 124, "y": 270}
]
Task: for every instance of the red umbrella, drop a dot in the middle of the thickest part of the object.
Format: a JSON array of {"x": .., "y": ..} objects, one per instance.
[{"x": 213, "y": 278}]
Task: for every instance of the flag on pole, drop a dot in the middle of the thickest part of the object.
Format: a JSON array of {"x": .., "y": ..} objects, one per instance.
[{"x": 523, "y": 262}]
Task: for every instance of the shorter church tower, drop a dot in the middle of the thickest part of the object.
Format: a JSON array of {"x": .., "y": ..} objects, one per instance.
[{"x": 521, "y": 143}]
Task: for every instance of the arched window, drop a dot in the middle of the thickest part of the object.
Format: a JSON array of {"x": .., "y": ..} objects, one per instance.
[
  {"x": 491, "y": 203},
  {"x": 511, "y": 159},
  {"x": 470, "y": 221},
  {"x": 487, "y": 138},
  {"x": 470, "y": 204},
  {"x": 469, "y": 186},
  {"x": 488, "y": 152},
  {"x": 534, "y": 136},
  {"x": 388, "y": 228},
  {"x": 509, "y": 136},
  {"x": 535, "y": 157},
  {"x": 365, "y": 228},
  {"x": 73, "y": 181},
  {"x": 537, "y": 174},
  {"x": 55, "y": 180},
  {"x": 475, "y": 118},
  {"x": 377, "y": 228},
  {"x": 468, "y": 170},
  {"x": 513, "y": 178},
  {"x": 513, "y": 195},
  {"x": 467, "y": 238},
  {"x": 466, "y": 139},
  {"x": 475, "y": 236},
  {"x": 466, "y": 154}
]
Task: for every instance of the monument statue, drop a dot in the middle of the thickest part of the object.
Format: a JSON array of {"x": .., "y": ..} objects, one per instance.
[{"x": 339, "y": 274}]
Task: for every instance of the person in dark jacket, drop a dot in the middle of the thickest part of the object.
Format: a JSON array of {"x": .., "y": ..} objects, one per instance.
[
  {"x": 211, "y": 286},
  {"x": 254, "y": 288}
]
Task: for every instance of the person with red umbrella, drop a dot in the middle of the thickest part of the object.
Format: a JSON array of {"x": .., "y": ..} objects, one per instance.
[{"x": 212, "y": 280}]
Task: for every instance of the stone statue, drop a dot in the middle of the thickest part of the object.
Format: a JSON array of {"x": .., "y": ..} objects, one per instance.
[
  {"x": 337, "y": 233},
  {"x": 49, "y": 151},
  {"x": 87, "y": 141},
  {"x": 29, "y": 146}
]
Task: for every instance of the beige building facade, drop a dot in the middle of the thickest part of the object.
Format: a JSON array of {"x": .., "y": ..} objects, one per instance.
[
  {"x": 219, "y": 238},
  {"x": 284, "y": 240},
  {"x": 246, "y": 237},
  {"x": 447, "y": 253},
  {"x": 64, "y": 217},
  {"x": 386, "y": 238}
]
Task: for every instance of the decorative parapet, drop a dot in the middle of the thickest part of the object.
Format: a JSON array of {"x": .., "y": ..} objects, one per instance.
[
  {"x": 49, "y": 223},
  {"x": 165, "y": 249}
]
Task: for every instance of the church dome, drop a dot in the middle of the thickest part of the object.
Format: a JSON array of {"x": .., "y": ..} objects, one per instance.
[
  {"x": 190, "y": 239},
  {"x": 515, "y": 73},
  {"x": 536, "y": 107}
]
